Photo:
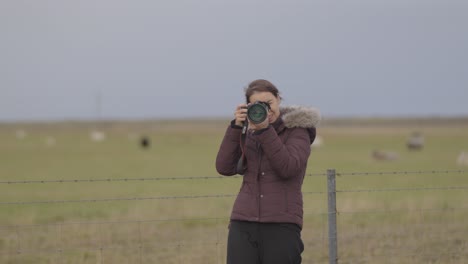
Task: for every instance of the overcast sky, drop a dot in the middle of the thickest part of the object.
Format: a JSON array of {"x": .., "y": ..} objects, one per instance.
[{"x": 192, "y": 58}]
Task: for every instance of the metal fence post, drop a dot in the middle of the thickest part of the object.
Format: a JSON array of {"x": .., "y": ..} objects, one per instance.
[{"x": 332, "y": 230}]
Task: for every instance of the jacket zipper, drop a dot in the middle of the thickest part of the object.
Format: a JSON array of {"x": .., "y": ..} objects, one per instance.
[{"x": 258, "y": 179}]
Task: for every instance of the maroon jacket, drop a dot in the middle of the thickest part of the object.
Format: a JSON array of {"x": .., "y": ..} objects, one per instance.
[{"x": 276, "y": 164}]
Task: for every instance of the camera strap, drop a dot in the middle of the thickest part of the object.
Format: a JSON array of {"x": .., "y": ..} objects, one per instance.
[{"x": 241, "y": 164}]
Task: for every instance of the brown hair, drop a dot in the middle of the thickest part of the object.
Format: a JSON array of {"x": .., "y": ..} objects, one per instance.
[{"x": 260, "y": 85}]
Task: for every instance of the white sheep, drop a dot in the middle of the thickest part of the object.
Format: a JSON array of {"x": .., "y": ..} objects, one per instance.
[
  {"x": 415, "y": 141},
  {"x": 384, "y": 155},
  {"x": 462, "y": 159},
  {"x": 21, "y": 134},
  {"x": 97, "y": 136}
]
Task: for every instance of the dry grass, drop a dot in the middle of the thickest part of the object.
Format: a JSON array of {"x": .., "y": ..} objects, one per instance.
[{"x": 373, "y": 227}]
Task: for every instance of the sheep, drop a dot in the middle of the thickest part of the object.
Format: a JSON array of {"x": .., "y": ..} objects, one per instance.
[
  {"x": 384, "y": 155},
  {"x": 21, "y": 134},
  {"x": 97, "y": 136},
  {"x": 415, "y": 141},
  {"x": 462, "y": 159},
  {"x": 145, "y": 142}
]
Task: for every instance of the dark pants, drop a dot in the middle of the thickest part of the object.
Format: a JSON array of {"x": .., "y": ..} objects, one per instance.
[{"x": 264, "y": 243}]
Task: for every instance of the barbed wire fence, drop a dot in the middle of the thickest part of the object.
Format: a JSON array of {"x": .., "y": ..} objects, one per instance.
[
  {"x": 16, "y": 240},
  {"x": 392, "y": 250}
]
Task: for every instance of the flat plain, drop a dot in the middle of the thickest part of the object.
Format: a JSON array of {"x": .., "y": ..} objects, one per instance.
[{"x": 65, "y": 198}]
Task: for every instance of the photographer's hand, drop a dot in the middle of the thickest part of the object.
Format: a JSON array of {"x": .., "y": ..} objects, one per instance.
[
  {"x": 240, "y": 114},
  {"x": 260, "y": 126}
]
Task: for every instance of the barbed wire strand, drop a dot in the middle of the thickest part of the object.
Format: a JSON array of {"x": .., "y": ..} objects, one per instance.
[
  {"x": 119, "y": 199},
  {"x": 216, "y": 177},
  {"x": 224, "y": 196},
  {"x": 400, "y": 234},
  {"x": 116, "y": 180},
  {"x": 405, "y": 189},
  {"x": 117, "y": 222},
  {"x": 131, "y": 199},
  {"x": 412, "y": 210},
  {"x": 401, "y": 172},
  {"x": 130, "y": 179}
]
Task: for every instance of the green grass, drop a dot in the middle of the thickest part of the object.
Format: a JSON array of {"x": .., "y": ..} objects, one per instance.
[{"x": 418, "y": 226}]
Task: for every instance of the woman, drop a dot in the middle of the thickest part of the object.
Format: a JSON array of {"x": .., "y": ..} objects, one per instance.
[{"x": 266, "y": 219}]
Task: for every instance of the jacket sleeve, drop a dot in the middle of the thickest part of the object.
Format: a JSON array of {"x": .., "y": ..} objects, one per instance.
[
  {"x": 290, "y": 159},
  {"x": 229, "y": 152}
]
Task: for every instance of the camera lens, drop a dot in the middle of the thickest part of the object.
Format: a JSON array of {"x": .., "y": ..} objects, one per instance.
[{"x": 257, "y": 113}]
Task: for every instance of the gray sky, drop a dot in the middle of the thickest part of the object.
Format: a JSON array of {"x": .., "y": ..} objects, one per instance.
[{"x": 192, "y": 58}]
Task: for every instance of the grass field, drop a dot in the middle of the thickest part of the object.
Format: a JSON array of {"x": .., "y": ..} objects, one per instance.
[{"x": 406, "y": 226}]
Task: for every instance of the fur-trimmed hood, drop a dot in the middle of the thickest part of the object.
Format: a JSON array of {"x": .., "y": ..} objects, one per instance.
[{"x": 300, "y": 116}]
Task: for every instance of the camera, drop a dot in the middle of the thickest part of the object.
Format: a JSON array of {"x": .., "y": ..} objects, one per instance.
[{"x": 258, "y": 112}]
